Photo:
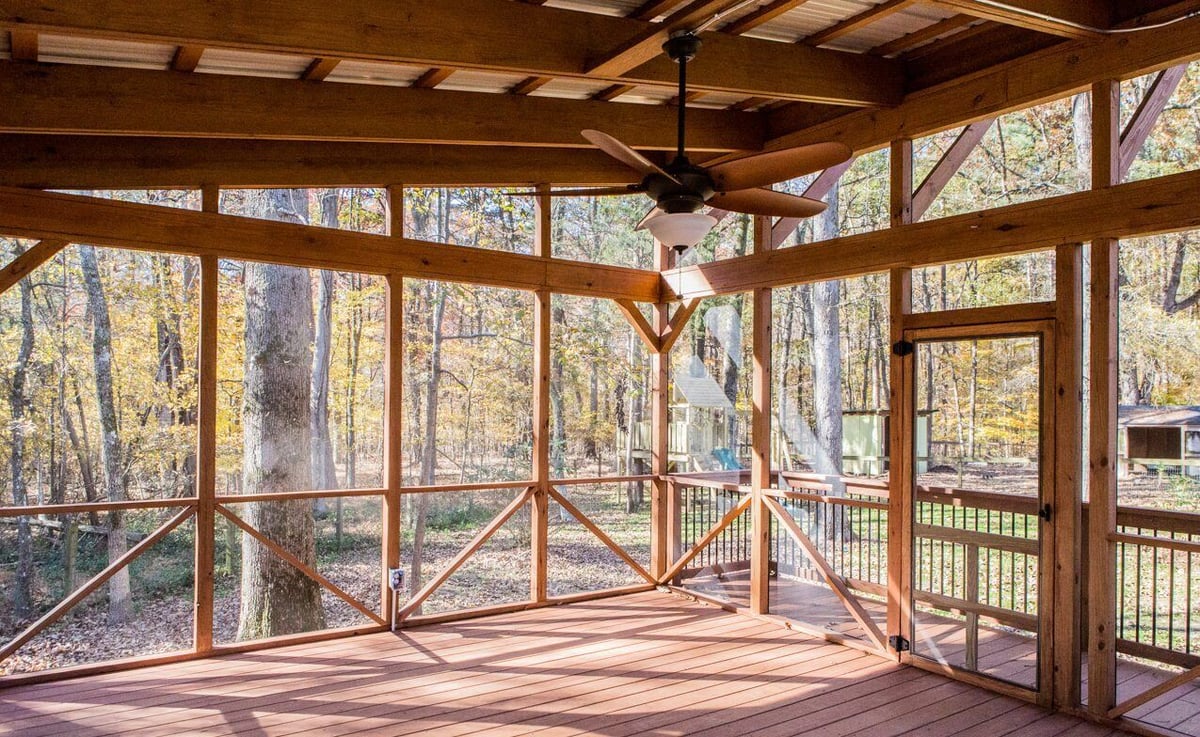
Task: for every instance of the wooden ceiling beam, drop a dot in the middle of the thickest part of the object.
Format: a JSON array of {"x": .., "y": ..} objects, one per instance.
[
  {"x": 924, "y": 35},
  {"x": 856, "y": 22},
  {"x": 469, "y": 34},
  {"x": 529, "y": 84},
  {"x": 118, "y": 162},
  {"x": 647, "y": 44},
  {"x": 96, "y": 100},
  {"x": 1052, "y": 73},
  {"x": 1145, "y": 207},
  {"x": 116, "y": 224},
  {"x": 1067, "y": 18}
]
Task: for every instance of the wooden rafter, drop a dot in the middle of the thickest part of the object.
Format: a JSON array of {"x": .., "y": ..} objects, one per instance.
[
  {"x": 647, "y": 44},
  {"x": 725, "y": 521},
  {"x": 612, "y": 92},
  {"x": 554, "y": 42},
  {"x": 948, "y": 165},
  {"x": 102, "y": 162},
  {"x": 293, "y": 560},
  {"x": 640, "y": 325},
  {"x": 432, "y": 78},
  {"x": 472, "y": 547},
  {"x": 151, "y": 103},
  {"x": 187, "y": 58},
  {"x": 601, "y": 535},
  {"x": 320, "y": 68},
  {"x": 764, "y": 14},
  {"x": 925, "y": 35},
  {"x": 529, "y": 84},
  {"x": 94, "y": 583},
  {"x": 148, "y": 227},
  {"x": 1061, "y": 70},
  {"x": 855, "y": 22},
  {"x": 20, "y": 267},
  {"x": 836, "y": 582},
  {"x": 1147, "y": 114},
  {"x": 651, "y": 9},
  {"x": 23, "y": 45},
  {"x": 1057, "y": 17}
]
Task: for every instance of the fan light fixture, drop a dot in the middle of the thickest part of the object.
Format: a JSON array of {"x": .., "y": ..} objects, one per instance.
[{"x": 680, "y": 230}]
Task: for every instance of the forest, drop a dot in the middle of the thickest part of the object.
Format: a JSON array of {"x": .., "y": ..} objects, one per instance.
[{"x": 99, "y": 380}]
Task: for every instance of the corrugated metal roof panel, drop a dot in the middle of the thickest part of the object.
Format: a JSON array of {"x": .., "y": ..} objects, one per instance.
[
  {"x": 375, "y": 72},
  {"x": 53, "y": 48},
  {"x": 574, "y": 89},
  {"x": 890, "y": 28},
  {"x": 252, "y": 63},
  {"x": 601, "y": 7},
  {"x": 472, "y": 81}
]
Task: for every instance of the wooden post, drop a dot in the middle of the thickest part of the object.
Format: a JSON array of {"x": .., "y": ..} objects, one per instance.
[
  {"x": 206, "y": 452},
  {"x": 664, "y": 508},
  {"x": 901, "y": 469},
  {"x": 1102, "y": 451},
  {"x": 539, "y": 516},
  {"x": 395, "y": 200},
  {"x": 760, "y": 434},
  {"x": 393, "y": 412},
  {"x": 1067, "y": 503},
  {"x": 393, "y": 455},
  {"x": 206, "y": 442}
]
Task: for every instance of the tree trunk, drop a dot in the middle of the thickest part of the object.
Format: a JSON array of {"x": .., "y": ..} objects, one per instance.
[
  {"x": 324, "y": 471},
  {"x": 119, "y": 600},
  {"x": 22, "y": 588},
  {"x": 276, "y": 598}
]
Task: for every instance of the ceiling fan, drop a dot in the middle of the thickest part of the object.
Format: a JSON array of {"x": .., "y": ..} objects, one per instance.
[{"x": 681, "y": 188}]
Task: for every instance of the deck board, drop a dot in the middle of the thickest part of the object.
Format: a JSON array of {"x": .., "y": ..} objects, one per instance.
[{"x": 636, "y": 665}]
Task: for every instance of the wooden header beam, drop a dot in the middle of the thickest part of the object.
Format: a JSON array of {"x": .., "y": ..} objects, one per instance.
[
  {"x": 1046, "y": 75},
  {"x": 468, "y": 34},
  {"x": 114, "y": 101},
  {"x": 121, "y": 162},
  {"x": 26, "y": 213},
  {"x": 1137, "y": 208}
]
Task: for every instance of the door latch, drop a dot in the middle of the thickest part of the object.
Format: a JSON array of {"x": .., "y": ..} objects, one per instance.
[{"x": 1044, "y": 512}]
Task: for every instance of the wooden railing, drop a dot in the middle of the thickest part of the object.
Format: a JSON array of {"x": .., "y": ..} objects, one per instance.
[{"x": 973, "y": 540}]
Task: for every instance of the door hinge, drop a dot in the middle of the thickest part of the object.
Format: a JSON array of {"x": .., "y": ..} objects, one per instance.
[
  {"x": 1045, "y": 512},
  {"x": 899, "y": 643},
  {"x": 902, "y": 347}
]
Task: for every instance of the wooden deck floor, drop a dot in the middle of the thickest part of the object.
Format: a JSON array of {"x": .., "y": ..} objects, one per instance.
[{"x": 646, "y": 664}]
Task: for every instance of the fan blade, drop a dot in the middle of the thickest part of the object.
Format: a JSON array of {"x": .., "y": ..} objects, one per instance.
[
  {"x": 769, "y": 167},
  {"x": 654, "y": 212},
  {"x": 583, "y": 192},
  {"x": 625, "y": 154},
  {"x": 767, "y": 202}
]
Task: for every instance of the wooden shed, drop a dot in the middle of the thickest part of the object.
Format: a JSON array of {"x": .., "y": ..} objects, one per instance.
[{"x": 756, "y": 601}]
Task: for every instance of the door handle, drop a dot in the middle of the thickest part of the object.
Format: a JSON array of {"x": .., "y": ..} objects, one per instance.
[{"x": 1044, "y": 512}]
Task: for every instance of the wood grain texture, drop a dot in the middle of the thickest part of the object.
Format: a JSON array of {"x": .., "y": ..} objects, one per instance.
[{"x": 640, "y": 664}]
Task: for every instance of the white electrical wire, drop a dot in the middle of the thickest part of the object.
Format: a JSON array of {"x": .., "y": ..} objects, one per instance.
[
  {"x": 718, "y": 16},
  {"x": 1082, "y": 26}
]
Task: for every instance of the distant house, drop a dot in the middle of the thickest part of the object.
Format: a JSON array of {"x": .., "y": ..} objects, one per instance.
[{"x": 1159, "y": 438}]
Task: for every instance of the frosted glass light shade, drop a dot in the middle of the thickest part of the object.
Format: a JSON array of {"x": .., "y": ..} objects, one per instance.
[{"x": 680, "y": 229}]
